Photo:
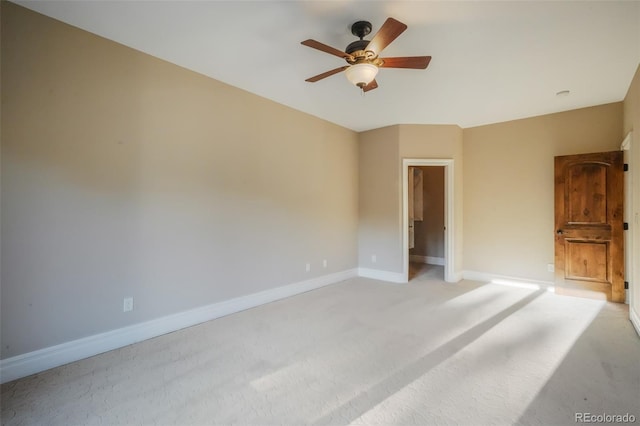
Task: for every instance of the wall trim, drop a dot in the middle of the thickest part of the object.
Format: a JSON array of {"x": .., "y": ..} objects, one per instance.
[
  {"x": 626, "y": 142},
  {"x": 635, "y": 320},
  {"x": 632, "y": 237},
  {"x": 43, "y": 359},
  {"x": 377, "y": 274},
  {"x": 506, "y": 280},
  {"x": 429, "y": 260}
]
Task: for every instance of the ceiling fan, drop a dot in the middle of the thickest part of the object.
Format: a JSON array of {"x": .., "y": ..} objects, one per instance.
[{"x": 362, "y": 55}]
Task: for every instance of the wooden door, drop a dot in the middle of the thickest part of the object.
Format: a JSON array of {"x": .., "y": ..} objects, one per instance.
[{"x": 589, "y": 240}]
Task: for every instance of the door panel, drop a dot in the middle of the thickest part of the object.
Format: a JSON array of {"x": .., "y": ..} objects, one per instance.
[
  {"x": 583, "y": 179},
  {"x": 587, "y": 261},
  {"x": 411, "y": 193},
  {"x": 412, "y": 201},
  {"x": 412, "y": 234},
  {"x": 418, "y": 195},
  {"x": 589, "y": 257}
]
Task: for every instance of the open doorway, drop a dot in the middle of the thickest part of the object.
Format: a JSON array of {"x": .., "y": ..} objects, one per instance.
[
  {"x": 428, "y": 184},
  {"x": 426, "y": 222}
]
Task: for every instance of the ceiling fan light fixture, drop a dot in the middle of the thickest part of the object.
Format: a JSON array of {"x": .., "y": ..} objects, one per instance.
[
  {"x": 363, "y": 56},
  {"x": 361, "y": 74}
]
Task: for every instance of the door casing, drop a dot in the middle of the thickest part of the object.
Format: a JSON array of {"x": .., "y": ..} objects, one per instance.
[
  {"x": 449, "y": 249},
  {"x": 629, "y": 269}
]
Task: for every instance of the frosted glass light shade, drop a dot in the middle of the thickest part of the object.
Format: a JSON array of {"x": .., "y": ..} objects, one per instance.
[{"x": 361, "y": 74}]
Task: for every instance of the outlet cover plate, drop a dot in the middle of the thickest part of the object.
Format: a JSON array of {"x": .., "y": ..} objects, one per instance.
[{"x": 127, "y": 306}]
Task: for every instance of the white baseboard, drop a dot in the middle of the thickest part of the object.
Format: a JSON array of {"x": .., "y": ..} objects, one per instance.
[
  {"x": 376, "y": 274},
  {"x": 506, "y": 280},
  {"x": 429, "y": 260},
  {"x": 457, "y": 277},
  {"x": 635, "y": 319},
  {"x": 54, "y": 356}
]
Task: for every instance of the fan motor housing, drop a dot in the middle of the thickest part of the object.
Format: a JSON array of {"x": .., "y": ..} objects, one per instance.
[
  {"x": 358, "y": 49},
  {"x": 357, "y": 45}
]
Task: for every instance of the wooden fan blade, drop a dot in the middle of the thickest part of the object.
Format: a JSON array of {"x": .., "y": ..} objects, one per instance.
[
  {"x": 324, "y": 48},
  {"x": 326, "y": 74},
  {"x": 370, "y": 86},
  {"x": 389, "y": 31},
  {"x": 416, "y": 62}
]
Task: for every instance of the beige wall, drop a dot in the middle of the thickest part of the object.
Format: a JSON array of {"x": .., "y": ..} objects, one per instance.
[
  {"x": 380, "y": 160},
  {"x": 508, "y": 194},
  {"x": 440, "y": 142},
  {"x": 503, "y": 181},
  {"x": 632, "y": 123},
  {"x": 124, "y": 175},
  {"x": 379, "y": 202},
  {"x": 429, "y": 232}
]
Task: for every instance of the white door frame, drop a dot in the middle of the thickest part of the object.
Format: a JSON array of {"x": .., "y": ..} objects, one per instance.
[
  {"x": 629, "y": 246},
  {"x": 449, "y": 252}
]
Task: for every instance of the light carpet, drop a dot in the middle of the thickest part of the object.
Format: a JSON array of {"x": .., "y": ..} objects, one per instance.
[{"x": 360, "y": 352}]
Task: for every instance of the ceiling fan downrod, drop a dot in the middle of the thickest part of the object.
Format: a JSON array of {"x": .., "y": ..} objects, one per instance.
[{"x": 359, "y": 29}]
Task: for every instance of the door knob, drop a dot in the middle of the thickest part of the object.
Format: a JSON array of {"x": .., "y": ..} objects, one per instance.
[{"x": 559, "y": 232}]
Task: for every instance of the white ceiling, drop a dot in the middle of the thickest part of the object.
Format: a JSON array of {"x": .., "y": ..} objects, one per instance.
[{"x": 492, "y": 61}]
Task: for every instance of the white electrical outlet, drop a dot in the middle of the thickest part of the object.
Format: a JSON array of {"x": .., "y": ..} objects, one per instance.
[
  {"x": 308, "y": 267},
  {"x": 374, "y": 259},
  {"x": 127, "y": 306},
  {"x": 324, "y": 263},
  {"x": 550, "y": 267}
]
